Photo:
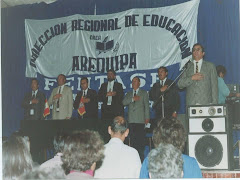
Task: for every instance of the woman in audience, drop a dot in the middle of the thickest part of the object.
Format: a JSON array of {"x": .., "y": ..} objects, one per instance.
[
  {"x": 45, "y": 173},
  {"x": 171, "y": 131},
  {"x": 165, "y": 161},
  {"x": 80, "y": 154},
  {"x": 16, "y": 157},
  {"x": 58, "y": 144}
]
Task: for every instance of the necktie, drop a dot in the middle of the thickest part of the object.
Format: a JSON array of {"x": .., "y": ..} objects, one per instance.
[
  {"x": 162, "y": 83},
  {"x": 84, "y": 94},
  {"x": 59, "y": 91},
  {"x": 196, "y": 67},
  {"x": 135, "y": 93},
  {"x": 34, "y": 95}
]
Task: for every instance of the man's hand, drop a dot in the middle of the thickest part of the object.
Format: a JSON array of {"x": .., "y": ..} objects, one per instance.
[
  {"x": 34, "y": 101},
  {"x": 197, "y": 77},
  {"x": 174, "y": 114},
  {"x": 111, "y": 93},
  {"x": 164, "y": 88},
  {"x": 114, "y": 93},
  {"x": 136, "y": 98},
  {"x": 57, "y": 96},
  {"x": 86, "y": 100}
]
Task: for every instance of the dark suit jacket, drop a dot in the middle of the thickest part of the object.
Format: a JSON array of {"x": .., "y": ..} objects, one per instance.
[
  {"x": 116, "y": 106},
  {"x": 38, "y": 108},
  {"x": 171, "y": 98},
  {"x": 91, "y": 107}
]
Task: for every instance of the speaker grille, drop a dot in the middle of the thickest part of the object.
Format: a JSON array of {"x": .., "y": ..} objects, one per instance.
[
  {"x": 207, "y": 125},
  {"x": 209, "y": 151}
]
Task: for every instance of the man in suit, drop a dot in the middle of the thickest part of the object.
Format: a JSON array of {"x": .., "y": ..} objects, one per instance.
[
  {"x": 89, "y": 99},
  {"x": 33, "y": 103},
  {"x": 111, "y": 94},
  {"x": 62, "y": 100},
  {"x": 138, "y": 115},
  {"x": 200, "y": 79},
  {"x": 171, "y": 96}
]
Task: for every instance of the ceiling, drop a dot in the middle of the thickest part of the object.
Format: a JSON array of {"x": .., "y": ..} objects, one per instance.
[{"x": 9, "y": 3}]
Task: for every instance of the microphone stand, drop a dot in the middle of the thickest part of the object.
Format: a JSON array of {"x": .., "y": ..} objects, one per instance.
[{"x": 162, "y": 95}]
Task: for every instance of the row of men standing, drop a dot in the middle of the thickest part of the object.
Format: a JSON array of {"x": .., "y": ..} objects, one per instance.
[
  {"x": 110, "y": 93},
  {"x": 199, "y": 79}
]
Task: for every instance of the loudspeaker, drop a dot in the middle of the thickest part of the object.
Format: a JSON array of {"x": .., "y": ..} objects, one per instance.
[{"x": 210, "y": 136}]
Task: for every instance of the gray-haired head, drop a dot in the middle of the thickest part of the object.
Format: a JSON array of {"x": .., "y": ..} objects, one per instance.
[
  {"x": 165, "y": 161},
  {"x": 119, "y": 124}
]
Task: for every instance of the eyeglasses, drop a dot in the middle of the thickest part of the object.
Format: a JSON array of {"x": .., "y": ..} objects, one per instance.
[{"x": 197, "y": 49}]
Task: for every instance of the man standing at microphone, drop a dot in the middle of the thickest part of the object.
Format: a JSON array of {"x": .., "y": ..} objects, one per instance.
[
  {"x": 170, "y": 95},
  {"x": 200, "y": 79}
]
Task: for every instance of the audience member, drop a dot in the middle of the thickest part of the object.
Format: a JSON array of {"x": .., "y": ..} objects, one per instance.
[
  {"x": 44, "y": 173},
  {"x": 121, "y": 161},
  {"x": 58, "y": 144},
  {"x": 16, "y": 157},
  {"x": 165, "y": 162},
  {"x": 62, "y": 100},
  {"x": 81, "y": 152},
  {"x": 171, "y": 131},
  {"x": 33, "y": 103},
  {"x": 200, "y": 79},
  {"x": 223, "y": 90},
  {"x": 138, "y": 115}
]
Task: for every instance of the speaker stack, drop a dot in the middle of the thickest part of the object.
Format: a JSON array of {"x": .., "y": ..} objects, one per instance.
[{"x": 210, "y": 137}]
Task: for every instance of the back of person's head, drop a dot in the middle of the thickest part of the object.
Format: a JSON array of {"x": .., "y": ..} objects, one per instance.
[
  {"x": 165, "y": 161},
  {"x": 170, "y": 131},
  {"x": 221, "y": 69},
  {"x": 119, "y": 125},
  {"x": 16, "y": 157},
  {"x": 44, "y": 173},
  {"x": 58, "y": 142},
  {"x": 81, "y": 150}
]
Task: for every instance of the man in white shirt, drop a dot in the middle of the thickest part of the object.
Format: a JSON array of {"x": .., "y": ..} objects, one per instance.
[
  {"x": 200, "y": 79},
  {"x": 121, "y": 161},
  {"x": 62, "y": 100}
]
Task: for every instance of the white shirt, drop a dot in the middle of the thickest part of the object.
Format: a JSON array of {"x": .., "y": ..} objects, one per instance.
[
  {"x": 35, "y": 92},
  {"x": 55, "y": 161},
  {"x": 110, "y": 88},
  {"x": 61, "y": 89},
  {"x": 199, "y": 65},
  {"x": 162, "y": 82},
  {"x": 86, "y": 90},
  {"x": 121, "y": 161},
  {"x": 134, "y": 93}
]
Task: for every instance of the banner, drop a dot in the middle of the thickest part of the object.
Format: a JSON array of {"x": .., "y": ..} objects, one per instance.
[{"x": 136, "y": 39}]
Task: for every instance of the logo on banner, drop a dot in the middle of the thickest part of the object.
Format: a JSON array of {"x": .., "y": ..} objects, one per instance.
[{"x": 106, "y": 45}]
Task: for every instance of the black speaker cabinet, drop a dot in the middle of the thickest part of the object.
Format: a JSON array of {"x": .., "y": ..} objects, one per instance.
[{"x": 210, "y": 136}]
